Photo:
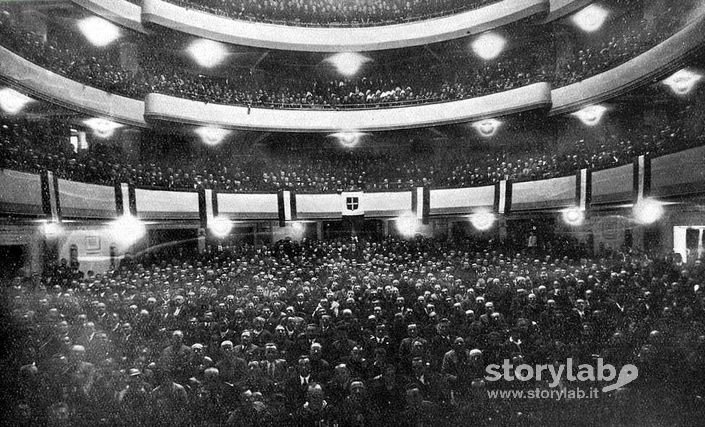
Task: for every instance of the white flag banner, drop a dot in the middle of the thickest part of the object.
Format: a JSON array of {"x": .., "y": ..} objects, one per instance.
[{"x": 352, "y": 203}]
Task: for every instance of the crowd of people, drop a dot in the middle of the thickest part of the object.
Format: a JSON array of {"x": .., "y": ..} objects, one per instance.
[
  {"x": 33, "y": 146},
  {"x": 333, "y": 13},
  {"x": 351, "y": 332},
  {"x": 450, "y": 75}
]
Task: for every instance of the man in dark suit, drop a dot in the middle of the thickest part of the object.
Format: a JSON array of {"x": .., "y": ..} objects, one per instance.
[
  {"x": 273, "y": 368},
  {"x": 315, "y": 411},
  {"x": 232, "y": 369},
  {"x": 320, "y": 368},
  {"x": 458, "y": 368},
  {"x": 379, "y": 340},
  {"x": 177, "y": 316},
  {"x": 405, "y": 347},
  {"x": 260, "y": 336},
  {"x": 441, "y": 343},
  {"x": 338, "y": 387},
  {"x": 433, "y": 386},
  {"x": 247, "y": 349},
  {"x": 176, "y": 358},
  {"x": 297, "y": 384}
]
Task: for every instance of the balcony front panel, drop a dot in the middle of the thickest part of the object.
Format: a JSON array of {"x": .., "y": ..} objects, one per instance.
[
  {"x": 677, "y": 174},
  {"x": 552, "y": 193},
  {"x": 44, "y": 84},
  {"x": 309, "y": 39},
  {"x": 248, "y": 206},
  {"x": 20, "y": 193},
  {"x": 81, "y": 200},
  {"x": 458, "y": 201},
  {"x": 615, "y": 185},
  {"x": 162, "y": 205},
  {"x": 171, "y": 109},
  {"x": 387, "y": 204}
]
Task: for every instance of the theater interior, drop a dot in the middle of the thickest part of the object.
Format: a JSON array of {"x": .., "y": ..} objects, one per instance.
[{"x": 350, "y": 212}]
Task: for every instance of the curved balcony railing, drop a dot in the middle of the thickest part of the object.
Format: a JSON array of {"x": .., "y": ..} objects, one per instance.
[
  {"x": 120, "y": 12},
  {"x": 46, "y": 85},
  {"x": 172, "y": 109},
  {"x": 671, "y": 176},
  {"x": 654, "y": 63},
  {"x": 284, "y": 37},
  {"x": 335, "y": 18}
]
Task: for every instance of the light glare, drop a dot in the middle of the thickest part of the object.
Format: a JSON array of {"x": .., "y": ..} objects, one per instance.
[
  {"x": 489, "y": 45},
  {"x": 98, "y": 31},
  {"x": 211, "y": 135},
  {"x": 12, "y": 102},
  {"x": 591, "y": 115},
  {"x": 102, "y": 127},
  {"x": 207, "y": 53},
  {"x": 348, "y": 139},
  {"x": 52, "y": 229},
  {"x": 482, "y": 221},
  {"x": 683, "y": 81},
  {"x": 487, "y": 128},
  {"x": 647, "y": 211},
  {"x": 298, "y": 230},
  {"x": 407, "y": 225},
  {"x": 573, "y": 216},
  {"x": 348, "y": 63},
  {"x": 591, "y": 18},
  {"x": 220, "y": 226},
  {"x": 127, "y": 229}
]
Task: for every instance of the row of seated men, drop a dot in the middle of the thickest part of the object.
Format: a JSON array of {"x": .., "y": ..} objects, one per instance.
[{"x": 349, "y": 332}]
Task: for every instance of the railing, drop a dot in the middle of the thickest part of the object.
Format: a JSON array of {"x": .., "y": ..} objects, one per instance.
[
  {"x": 172, "y": 109},
  {"x": 343, "y": 38},
  {"x": 675, "y": 175},
  {"x": 347, "y": 24}
]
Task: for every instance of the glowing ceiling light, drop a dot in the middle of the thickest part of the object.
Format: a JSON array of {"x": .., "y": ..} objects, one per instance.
[
  {"x": 487, "y": 128},
  {"x": 102, "y": 127},
  {"x": 591, "y": 115},
  {"x": 573, "y": 216},
  {"x": 348, "y": 63},
  {"x": 348, "y": 139},
  {"x": 683, "y": 81},
  {"x": 647, "y": 211},
  {"x": 407, "y": 225},
  {"x": 489, "y": 45},
  {"x": 207, "y": 53},
  {"x": 127, "y": 229},
  {"x": 52, "y": 229},
  {"x": 98, "y": 31},
  {"x": 483, "y": 220},
  {"x": 591, "y": 18},
  {"x": 212, "y": 136},
  {"x": 220, "y": 226},
  {"x": 297, "y": 230},
  {"x": 12, "y": 102}
]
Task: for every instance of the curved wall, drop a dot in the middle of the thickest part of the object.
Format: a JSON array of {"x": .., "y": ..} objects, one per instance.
[
  {"x": 128, "y": 14},
  {"x": 43, "y": 84},
  {"x": 120, "y": 12},
  {"x": 20, "y": 194},
  {"x": 285, "y": 37},
  {"x": 655, "y": 63},
  {"x": 169, "y": 108},
  {"x": 561, "y": 8}
]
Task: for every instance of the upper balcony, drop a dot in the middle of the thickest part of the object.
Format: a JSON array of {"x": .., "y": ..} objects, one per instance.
[
  {"x": 341, "y": 39},
  {"x": 248, "y": 94}
]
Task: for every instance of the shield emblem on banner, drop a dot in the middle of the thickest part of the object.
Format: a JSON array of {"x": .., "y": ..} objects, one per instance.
[{"x": 352, "y": 203}]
